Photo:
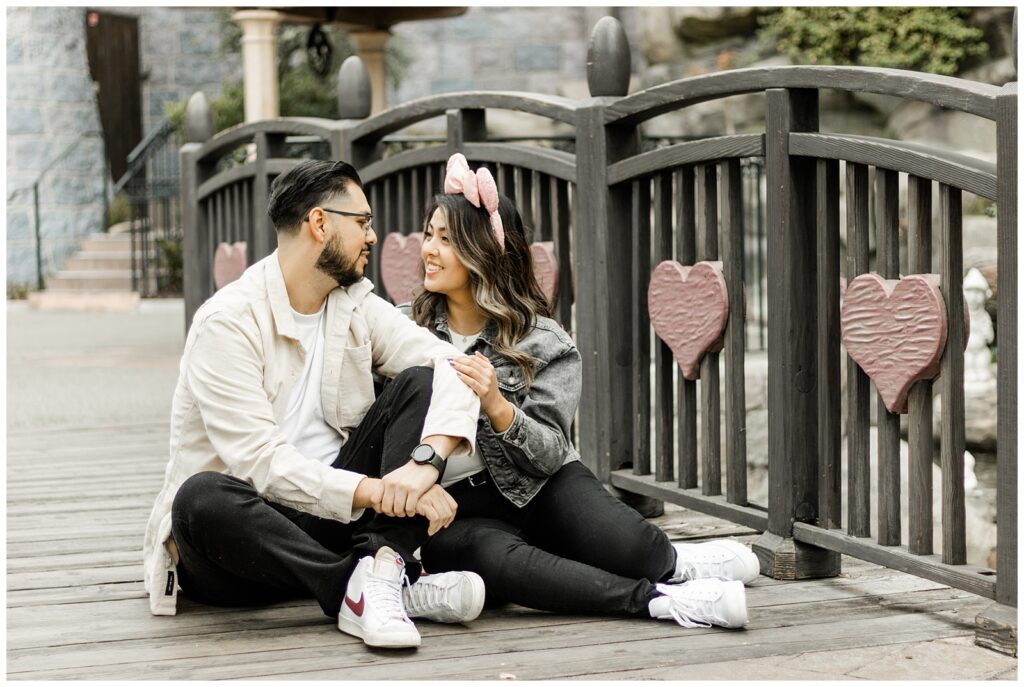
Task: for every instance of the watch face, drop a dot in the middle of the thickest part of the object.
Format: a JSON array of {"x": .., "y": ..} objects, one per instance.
[{"x": 422, "y": 453}]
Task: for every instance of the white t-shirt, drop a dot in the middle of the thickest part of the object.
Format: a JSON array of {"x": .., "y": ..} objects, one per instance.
[
  {"x": 303, "y": 424},
  {"x": 464, "y": 466}
]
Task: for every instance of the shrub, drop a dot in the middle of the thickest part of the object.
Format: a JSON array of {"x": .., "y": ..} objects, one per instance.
[{"x": 930, "y": 39}]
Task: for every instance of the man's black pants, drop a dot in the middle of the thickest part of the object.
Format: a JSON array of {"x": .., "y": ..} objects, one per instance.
[{"x": 239, "y": 549}]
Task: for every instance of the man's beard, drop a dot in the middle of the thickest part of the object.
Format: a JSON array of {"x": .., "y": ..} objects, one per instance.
[{"x": 332, "y": 263}]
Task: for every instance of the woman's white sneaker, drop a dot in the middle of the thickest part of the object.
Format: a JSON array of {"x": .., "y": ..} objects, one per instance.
[
  {"x": 702, "y": 603},
  {"x": 372, "y": 607},
  {"x": 451, "y": 597},
  {"x": 722, "y": 559}
]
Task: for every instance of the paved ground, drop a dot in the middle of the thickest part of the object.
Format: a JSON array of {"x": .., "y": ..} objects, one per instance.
[
  {"x": 80, "y": 369},
  {"x": 100, "y": 369}
]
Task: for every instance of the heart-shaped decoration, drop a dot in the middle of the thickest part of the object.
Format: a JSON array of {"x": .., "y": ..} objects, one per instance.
[
  {"x": 689, "y": 308},
  {"x": 895, "y": 330},
  {"x": 228, "y": 263},
  {"x": 545, "y": 268},
  {"x": 401, "y": 267}
]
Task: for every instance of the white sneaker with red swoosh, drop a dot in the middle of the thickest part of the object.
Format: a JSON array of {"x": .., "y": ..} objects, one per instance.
[{"x": 372, "y": 607}]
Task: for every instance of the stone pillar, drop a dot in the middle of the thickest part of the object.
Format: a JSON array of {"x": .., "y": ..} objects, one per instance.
[
  {"x": 259, "y": 60},
  {"x": 371, "y": 50}
]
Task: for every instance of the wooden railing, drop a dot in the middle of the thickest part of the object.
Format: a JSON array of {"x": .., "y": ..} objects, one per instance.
[{"x": 615, "y": 212}]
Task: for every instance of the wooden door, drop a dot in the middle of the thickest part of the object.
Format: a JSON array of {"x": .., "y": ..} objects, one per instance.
[{"x": 112, "y": 43}]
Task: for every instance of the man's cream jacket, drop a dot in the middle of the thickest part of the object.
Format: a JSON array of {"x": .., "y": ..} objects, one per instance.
[{"x": 241, "y": 360}]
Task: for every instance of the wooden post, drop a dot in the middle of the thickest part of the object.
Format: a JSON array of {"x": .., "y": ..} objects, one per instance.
[
  {"x": 197, "y": 249},
  {"x": 792, "y": 344},
  {"x": 464, "y": 126},
  {"x": 197, "y": 257},
  {"x": 603, "y": 253},
  {"x": 997, "y": 624}
]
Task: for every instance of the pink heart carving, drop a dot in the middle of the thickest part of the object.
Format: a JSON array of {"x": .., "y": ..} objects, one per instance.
[
  {"x": 401, "y": 267},
  {"x": 545, "y": 268},
  {"x": 689, "y": 308},
  {"x": 228, "y": 263},
  {"x": 895, "y": 330}
]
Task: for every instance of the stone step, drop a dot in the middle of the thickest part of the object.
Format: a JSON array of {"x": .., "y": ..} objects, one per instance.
[
  {"x": 119, "y": 242},
  {"x": 99, "y": 260},
  {"x": 91, "y": 279},
  {"x": 93, "y": 300}
]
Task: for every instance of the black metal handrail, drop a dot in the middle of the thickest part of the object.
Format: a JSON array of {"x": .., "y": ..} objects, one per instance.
[{"x": 34, "y": 188}]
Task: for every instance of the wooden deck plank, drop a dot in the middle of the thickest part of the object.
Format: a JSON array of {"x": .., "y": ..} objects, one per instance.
[
  {"x": 77, "y": 609},
  {"x": 588, "y": 641}
]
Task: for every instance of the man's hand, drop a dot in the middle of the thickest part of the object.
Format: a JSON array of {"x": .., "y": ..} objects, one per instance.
[
  {"x": 404, "y": 487},
  {"x": 437, "y": 506}
]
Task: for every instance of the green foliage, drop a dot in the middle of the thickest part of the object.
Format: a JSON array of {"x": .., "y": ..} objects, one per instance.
[
  {"x": 171, "y": 266},
  {"x": 930, "y": 39},
  {"x": 120, "y": 211},
  {"x": 18, "y": 291}
]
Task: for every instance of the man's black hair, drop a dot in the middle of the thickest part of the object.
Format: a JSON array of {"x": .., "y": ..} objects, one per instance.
[{"x": 308, "y": 184}]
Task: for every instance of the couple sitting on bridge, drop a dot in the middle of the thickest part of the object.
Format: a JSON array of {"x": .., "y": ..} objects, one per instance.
[{"x": 292, "y": 475}]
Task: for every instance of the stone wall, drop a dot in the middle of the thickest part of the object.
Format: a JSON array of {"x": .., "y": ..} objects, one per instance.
[
  {"x": 535, "y": 49},
  {"x": 51, "y": 104}
]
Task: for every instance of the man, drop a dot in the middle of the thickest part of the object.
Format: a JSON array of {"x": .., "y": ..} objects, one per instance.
[{"x": 287, "y": 477}]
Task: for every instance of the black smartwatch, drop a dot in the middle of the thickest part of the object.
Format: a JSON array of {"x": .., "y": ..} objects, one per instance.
[{"x": 424, "y": 454}]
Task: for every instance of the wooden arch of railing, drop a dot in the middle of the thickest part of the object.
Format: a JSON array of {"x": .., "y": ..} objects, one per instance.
[
  {"x": 682, "y": 201},
  {"x": 539, "y": 179},
  {"x": 224, "y": 191},
  {"x": 615, "y": 211}
]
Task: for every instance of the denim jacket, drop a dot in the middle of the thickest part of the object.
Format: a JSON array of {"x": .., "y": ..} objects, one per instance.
[{"x": 537, "y": 443}]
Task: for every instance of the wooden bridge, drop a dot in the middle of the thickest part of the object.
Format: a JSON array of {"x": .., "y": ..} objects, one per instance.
[{"x": 613, "y": 212}]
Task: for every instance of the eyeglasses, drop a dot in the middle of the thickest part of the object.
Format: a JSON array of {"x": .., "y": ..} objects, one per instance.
[{"x": 367, "y": 217}]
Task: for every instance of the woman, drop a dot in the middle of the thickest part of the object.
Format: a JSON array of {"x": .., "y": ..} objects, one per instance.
[{"x": 532, "y": 520}]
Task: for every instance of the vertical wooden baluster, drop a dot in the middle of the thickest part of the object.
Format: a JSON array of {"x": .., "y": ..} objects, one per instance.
[
  {"x": 887, "y": 226},
  {"x": 829, "y": 391},
  {"x": 664, "y": 363},
  {"x": 560, "y": 226},
  {"x": 402, "y": 214},
  {"x": 524, "y": 197},
  {"x": 919, "y": 402},
  {"x": 686, "y": 254},
  {"x": 377, "y": 206},
  {"x": 542, "y": 183},
  {"x": 735, "y": 396},
  {"x": 507, "y": 182},
  {"x": 417, "y": 208},
  {"x": 641, "y": 221},
  {"x": 431, "y": 185},
  {"x": 234, "y": 214},
  {"x": 710, "y": 394},
  {"x": 951, "y": 378},
  {"x": 222, "y": 215},
  {"x": 857, "y": 384},
  {"x": 211, "y": 240}
]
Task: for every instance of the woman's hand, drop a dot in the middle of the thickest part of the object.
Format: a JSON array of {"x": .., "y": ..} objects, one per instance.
[{"x": 476, "y": 372}]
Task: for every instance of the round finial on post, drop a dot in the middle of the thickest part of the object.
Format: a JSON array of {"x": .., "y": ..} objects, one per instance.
[
  {"x": 355, "y": 95},
  {"x": 198, "y": 118},
  {"x": 608, "y": 59}
]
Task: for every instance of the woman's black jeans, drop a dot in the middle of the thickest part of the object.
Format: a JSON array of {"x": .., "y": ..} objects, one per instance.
[
  {"x": 239, "y": 549},
  {"x": 574, "y": 548}
]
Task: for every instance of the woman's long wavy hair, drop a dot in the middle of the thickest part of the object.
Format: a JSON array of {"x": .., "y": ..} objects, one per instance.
[{"x": 502, "y": 281}]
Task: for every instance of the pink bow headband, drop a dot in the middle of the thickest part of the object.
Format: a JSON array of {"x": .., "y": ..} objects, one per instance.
[{"x": 476, "y": 187}]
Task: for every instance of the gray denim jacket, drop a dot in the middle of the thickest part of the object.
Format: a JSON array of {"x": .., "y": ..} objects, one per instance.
[{"x": 537, "y": 443}]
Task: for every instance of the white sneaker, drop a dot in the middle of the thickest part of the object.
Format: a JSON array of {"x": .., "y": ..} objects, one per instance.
[
  {"x": 372, "y": 608},
  {"x": 722, "y": 559},
  {"x": 702, "y": 603},
  {"x": 451, "y": 597}
]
